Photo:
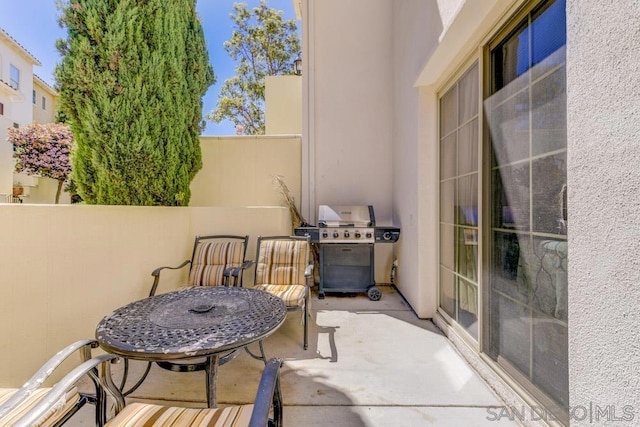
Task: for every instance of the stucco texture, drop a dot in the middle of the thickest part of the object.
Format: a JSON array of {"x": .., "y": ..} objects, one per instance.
[{"x": 603, "y": 125}]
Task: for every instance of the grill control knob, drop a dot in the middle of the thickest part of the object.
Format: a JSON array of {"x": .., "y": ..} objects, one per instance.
[
  {"x": 335, "y": 235},
  {"x": 368, "y": 235},
  {"x": 325, "y": 234},
  {"x": 346, "y": 234},
  {"x": 358, "y": 235}
]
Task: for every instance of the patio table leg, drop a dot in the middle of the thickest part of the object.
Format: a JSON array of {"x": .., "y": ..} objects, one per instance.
[{"x": 211, "y": 369}]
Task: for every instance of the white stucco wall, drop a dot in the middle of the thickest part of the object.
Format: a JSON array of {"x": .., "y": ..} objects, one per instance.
[
  {"x": 415, "y": 161},
  {"x": 351, "y": 104},
  {"x": 17, "y": 104},
  {"x": 603, "y": 116},
  {"x": 347, "y": 119}
]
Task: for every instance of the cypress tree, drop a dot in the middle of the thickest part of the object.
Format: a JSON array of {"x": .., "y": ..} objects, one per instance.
[{"x": 131, "y": 81}]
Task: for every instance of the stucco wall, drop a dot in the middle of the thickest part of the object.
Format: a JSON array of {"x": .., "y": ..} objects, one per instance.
[
  {"x": 239, "y": 170},
  {"x": 64, "y": 267},
  {"x": 283, "y": 105},
  {"x": 48, "y": 114},
  {"x": 351, "y": 104},
  {"x": 415, "y": 160},
  {"x": 603, "y": 116}
]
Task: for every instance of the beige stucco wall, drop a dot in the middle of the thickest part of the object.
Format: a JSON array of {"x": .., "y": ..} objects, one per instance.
[
  {"x": 283, "y": 105},
  {"x": 64, "y": 267},
  {"x": 350, "y": 104},
  {"x": 41, "y": 190},
  {"x": 239, "y": 170},
  {"x": 416, "y": 158},
  {"x": 603, "y": 125},
  {"x": 347, "y": 155}
]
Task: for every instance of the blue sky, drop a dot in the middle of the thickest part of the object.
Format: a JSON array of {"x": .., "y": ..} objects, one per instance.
[{"x": 33, "y": 24}]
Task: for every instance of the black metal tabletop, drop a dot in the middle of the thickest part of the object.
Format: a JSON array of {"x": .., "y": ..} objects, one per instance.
[{"x": 193, "y": 322}]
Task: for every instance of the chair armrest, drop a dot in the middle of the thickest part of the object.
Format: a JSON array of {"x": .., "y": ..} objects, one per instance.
[
  {"x": 51, "y": 400},
  {"x": 269, "y": 395},
  {"x": 236, "y": 271},
  {"x": 156, "y": 275},
  {"x": 36, "y": 381}
]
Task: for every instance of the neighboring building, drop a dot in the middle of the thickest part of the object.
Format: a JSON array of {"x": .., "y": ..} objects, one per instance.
[
  {"x": 24, "y": 99},
  {"x": 16, "y": 88},
  {"x": 502, "y": 137},
  {"x": 44, "y": 99}
]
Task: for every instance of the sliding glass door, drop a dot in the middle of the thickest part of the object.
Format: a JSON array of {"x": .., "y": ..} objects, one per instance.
[{"x": 526, "y": 319}]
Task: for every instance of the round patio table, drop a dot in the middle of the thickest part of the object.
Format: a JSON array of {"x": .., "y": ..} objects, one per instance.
[{"x": 196, "y": 322}]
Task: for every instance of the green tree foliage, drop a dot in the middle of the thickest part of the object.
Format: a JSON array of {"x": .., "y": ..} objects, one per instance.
[
  {"x": 131, "y": 82},
  {"x": 263, "y": 44}
]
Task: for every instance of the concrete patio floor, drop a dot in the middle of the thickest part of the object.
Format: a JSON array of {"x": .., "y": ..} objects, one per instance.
[{"x": 368, "y": 364}]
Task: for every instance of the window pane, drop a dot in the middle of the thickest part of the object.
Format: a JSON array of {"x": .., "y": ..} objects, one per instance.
[
  {"x": 447, "y": 292},
  {"x": 468, "y": 307},
  {"x": 550, "y": 265},
  {"x": 549, "y": 190},
  {"x": 14, "y": 77},
  {"x": 448, "y": 109},
  {"x": 549, "y": 112},
  {"x": 512, "y": 340},
  {"x": 447, "y": 201},
  {"x": 468, "y": 95},
  {"x": 467, "y": 200},
  {"x": 508, "y": 265},
  {"x": 468, "y": 148},
  {"x": 467, "y": 259},
  {"x": 549, "y": 31},
  {"x": 447, "y": 246},
  {"x": 510, "y": 194},
  {"x": 509, "y": 127},
  {"x": 550, "y": 362},
  {"x": 511, "y": 58},
  {"x": 448, "y": 157}
]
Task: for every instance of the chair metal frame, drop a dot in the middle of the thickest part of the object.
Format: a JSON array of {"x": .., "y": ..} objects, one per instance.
[
  {"x": 83, "y": 348},
  {"x": 232, "y": 276},
  {"x": 268, "y": 397}
]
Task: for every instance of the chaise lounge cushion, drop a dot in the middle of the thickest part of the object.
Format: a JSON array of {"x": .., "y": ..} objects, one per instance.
[
  {"x": 71, "y": 398},
  {"x": 148, "y": 415}
]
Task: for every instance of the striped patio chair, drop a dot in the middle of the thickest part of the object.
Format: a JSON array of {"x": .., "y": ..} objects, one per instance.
[
  {"x": 284, "y": 268},
  {"x": 16, "y": 402},
  {"x": 266, "y": 409},
  {"x": 216, "y": 261}
]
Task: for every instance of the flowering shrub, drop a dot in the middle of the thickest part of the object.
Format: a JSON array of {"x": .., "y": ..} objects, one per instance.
[{"x": 43, "y": 150}]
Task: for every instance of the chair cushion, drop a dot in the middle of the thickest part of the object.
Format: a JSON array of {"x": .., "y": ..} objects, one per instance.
[
  {"x": 147, "y": 415},
  {"x": 282, "y": 262},
  {"x": 292, "y": 295},
  {"x": 71, "y": 398},
  {"x": 211, "y": 259}
]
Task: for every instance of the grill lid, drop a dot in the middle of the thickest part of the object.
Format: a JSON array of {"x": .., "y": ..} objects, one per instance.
[{"x": 346, "y": 216}]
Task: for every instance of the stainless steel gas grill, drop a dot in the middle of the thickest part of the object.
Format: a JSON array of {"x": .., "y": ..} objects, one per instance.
[{"x": 346, "y": 236}]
